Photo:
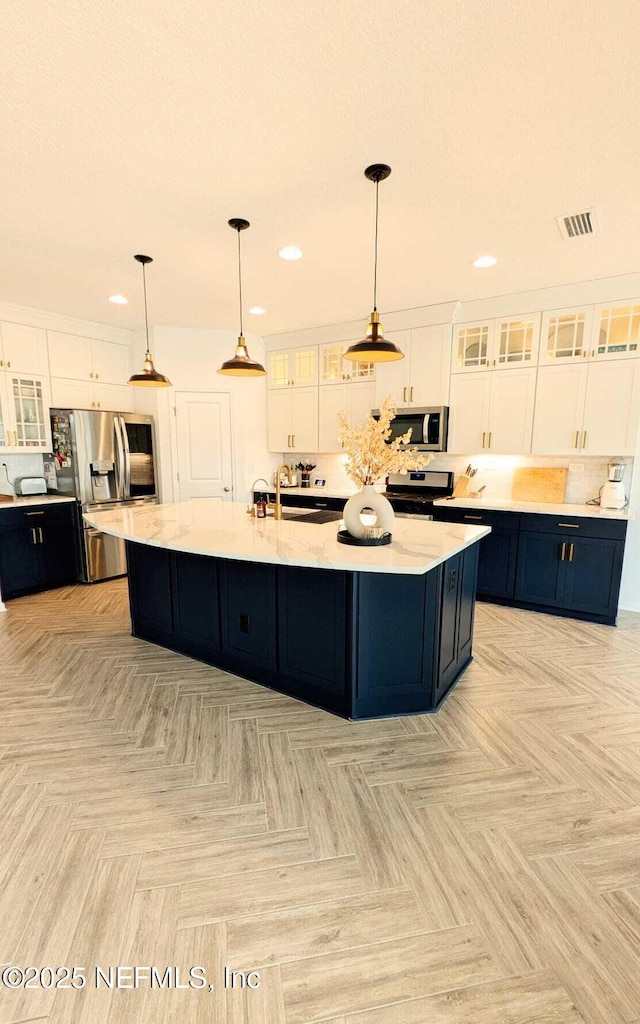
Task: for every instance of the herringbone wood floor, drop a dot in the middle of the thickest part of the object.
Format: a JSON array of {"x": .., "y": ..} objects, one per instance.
[{"x": 479, "y": 866}]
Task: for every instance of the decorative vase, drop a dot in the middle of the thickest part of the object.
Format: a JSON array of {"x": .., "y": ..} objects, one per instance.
[{"x": 367, "y": 498}]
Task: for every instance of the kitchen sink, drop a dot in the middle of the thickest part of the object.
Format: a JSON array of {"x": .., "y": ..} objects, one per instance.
[{"x": 323, "y": 515}]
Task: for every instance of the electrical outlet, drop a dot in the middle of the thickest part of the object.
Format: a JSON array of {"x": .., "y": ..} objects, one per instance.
[{"x": 576, "y": 467}]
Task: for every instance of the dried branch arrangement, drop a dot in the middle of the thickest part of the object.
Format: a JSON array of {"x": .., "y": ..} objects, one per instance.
[{"x": 371, "y": 457}]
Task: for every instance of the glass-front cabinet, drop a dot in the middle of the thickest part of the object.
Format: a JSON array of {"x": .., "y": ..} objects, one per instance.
[
  {"x": 617, "y": 331},
  {"x": 334, "y": 369},
  {"x": 506, "y": 342},
  {"x": 293, "y": 367},
  {"x": 565, "y": 335},
  {"x": 24, "y": 413}
]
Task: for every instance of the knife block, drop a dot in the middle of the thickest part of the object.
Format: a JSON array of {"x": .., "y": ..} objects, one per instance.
[{"x": 461, "y": 488}]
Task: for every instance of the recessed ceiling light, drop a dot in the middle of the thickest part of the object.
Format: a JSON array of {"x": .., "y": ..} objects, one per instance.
[
  {"x": 482, "y": 262},
  {"x": 120, "y": 300},
  {"x": 257, "y": 310},
  {"x": 290, "y": 252}
]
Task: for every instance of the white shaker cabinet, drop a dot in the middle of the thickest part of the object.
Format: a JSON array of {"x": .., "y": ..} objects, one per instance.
[
  {"x": 354, "y": 398},
  {"x": 422, "y": 377},
  {"x": 76, "y": 358},
  {"x": 81, "y": 394},
  {"x": 293, "y": 420},
  {"x": 590, "y": 408},
  {"x": 469, "y": 412},
  {"x": 559, "y": 409},
  {"x": 612, "y": 408},
  {"x": 23, "y": 349},
  {"x": 492, "y": 412}
]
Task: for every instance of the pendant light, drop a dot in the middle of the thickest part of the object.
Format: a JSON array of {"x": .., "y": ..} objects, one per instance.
[
  {"x": 242, "y": 365},
  {"x": 148, "y": 376},
  {"x": 374, "y": 348}
]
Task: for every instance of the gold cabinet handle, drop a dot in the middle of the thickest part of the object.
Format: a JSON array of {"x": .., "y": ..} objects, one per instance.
[
  {"x": 404, "y": 395},
  {"x": 294, "y": 441},
  {"x": 584, "y": 439},
  {"x": 34, "y": 513},
  {"x": 1, "y": 363},
  {"x": 564, "y": 550},
  {"x": 490, "y": 436},
  {"x": 97, "y": 376},
  {"x": 472, "y": 517},
  {"x": 411, "y": 393},
  {"x": 9, "y": 364},
  {"x": 571, "y": 552},
  {"x": 484, "y": 434},
  {"x": 33, "y": 535},
  {"x": 570, "y": 526},
  {"x": 575, "y": 444},
  {"x": 40, "y": 534}
]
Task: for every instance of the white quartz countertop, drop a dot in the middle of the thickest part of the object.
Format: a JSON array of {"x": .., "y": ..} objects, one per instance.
[
  {"x": 542, "y": 507},
  {"x": 224, "y": 530},
  {"x": 35, "y": 499}
]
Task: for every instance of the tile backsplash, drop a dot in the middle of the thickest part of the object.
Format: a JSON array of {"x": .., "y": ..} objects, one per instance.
[
  {"x": 495, "y": 472},
  {"x": 14, "y": 466}
]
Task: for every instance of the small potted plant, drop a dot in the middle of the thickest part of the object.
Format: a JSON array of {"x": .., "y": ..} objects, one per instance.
[{"x": 305, "y": 468}]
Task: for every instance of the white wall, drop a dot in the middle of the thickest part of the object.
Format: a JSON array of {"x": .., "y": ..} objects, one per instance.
[{"x": 190, "y": 358}]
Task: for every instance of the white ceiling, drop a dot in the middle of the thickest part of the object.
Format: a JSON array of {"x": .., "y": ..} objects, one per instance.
[{"x": 142, "y": 127}]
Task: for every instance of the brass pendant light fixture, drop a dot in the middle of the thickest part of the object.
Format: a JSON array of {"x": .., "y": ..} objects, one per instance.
[
  {"x": 148, "y": 376},
  {"x": 242, "y": 365},
  {"x": 374, "y": 348}
]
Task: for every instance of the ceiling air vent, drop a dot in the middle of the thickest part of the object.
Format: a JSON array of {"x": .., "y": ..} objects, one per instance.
[{"x": 577, "y": 224}]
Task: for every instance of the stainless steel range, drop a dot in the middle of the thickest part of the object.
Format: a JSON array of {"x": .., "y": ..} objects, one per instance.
[{"x": 412, "y": 494}]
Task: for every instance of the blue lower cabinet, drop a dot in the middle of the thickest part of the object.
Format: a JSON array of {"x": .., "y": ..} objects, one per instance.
[
  {"x": 541, "y": 569},
  {"x": 498, "y": 551},
  {"x": 457, "y": 604},
  {"x": 361, "y": 645},
  {"x": 593, "y": 572},
  {"x": 248, "y": 604},
  {"x": 38, "y": 548},
  {"x": 313, "y": 633},
  {"x": 395, "y": 674},
  {"x": 196, "y": 600}
]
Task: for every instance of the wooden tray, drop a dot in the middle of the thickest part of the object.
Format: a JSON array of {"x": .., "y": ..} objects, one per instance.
[{"x": 539, "y": 484}]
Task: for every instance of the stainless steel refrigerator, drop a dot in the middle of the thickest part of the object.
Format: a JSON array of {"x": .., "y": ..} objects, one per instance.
[{"x": 104, "y": 460}]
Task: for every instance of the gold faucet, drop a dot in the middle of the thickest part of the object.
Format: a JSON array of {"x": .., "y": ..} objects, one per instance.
[
  {"x": 277, "y": 506},
  {"x": 250, "y": 508}
]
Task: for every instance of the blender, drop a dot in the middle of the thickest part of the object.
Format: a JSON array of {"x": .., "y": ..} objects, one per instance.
[{"x": 612, "y": 493}]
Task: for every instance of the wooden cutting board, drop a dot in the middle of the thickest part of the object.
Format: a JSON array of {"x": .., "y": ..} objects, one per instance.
[{"x": 539, "y": 484}]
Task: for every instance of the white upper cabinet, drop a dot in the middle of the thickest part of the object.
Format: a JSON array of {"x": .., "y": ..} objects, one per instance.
[
  {"x": 616, "y": 331},
  {"x": 355, "y": 399},
  {"x": 23, "y": 349},
  {"x": 559, "y": 410},
  {"x": 422, "y": 377},
  {"x": 469, "y": 413},
  {"x": 492, "y": 412},
  {"x": 78, "y": 358},
  {"x": 334, "y": 368},
  {"x": 565, "y": 335},
  {"x": 502, "y": 343},
  {"x": 24, "y": 413},
  {"x": 293, "y": 367},
  {"x": 293, "y": 420},
  {"x": 612, "y": 408}
]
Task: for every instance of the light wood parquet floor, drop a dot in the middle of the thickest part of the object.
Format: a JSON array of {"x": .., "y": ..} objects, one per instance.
[{"x": 479, "y": 866}]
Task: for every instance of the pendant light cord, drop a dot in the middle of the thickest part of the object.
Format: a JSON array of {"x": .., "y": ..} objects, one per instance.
[
  {"x": 146, "y": 315},
  {"x": 240, "y": 281},
  {"x": 375, "y": 256}
]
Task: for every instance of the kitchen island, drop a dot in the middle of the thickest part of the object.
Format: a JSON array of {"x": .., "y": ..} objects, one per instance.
[{"x": 359, "y": 631}]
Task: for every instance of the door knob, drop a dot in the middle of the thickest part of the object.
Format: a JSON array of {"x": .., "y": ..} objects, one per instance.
[{"x": 227, "y": 488}]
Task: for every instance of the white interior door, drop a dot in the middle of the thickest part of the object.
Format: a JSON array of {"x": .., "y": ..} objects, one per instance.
[{"x": 203, "y": 428}]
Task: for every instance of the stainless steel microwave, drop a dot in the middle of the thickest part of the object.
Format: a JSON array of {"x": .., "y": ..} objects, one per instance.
[{"x": 428, "y": 426}]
